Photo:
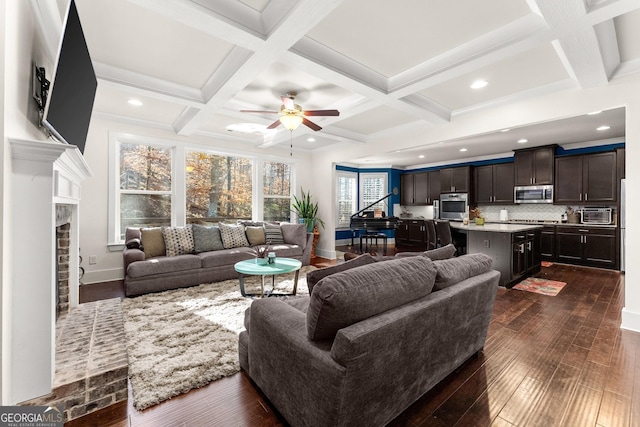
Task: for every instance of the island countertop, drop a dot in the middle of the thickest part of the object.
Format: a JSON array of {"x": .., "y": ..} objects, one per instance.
[{"x": 495, "y": 227}]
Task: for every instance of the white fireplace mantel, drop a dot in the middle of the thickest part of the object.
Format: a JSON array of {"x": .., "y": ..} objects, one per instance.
[{"x": 44, "y": 174}]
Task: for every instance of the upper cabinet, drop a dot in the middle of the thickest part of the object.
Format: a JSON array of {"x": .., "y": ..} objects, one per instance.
[
  {"x": 587, "y": 178},
  {"x": 534, "y": 166},
  {"x": 420, "y": 188},
  {"x": 455, "y": 180},
  {"x": 494, "y": 183}
]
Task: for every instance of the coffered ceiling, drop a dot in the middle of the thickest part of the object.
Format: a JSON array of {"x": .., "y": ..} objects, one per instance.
[{"x": 195, "y": 64}]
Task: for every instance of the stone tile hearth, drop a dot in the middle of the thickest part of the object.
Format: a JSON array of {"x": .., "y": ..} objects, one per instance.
[{"x": 91, "y": 360}]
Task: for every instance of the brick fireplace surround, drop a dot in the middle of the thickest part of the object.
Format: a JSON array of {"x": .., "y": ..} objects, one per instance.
[{"x": 80, "y": 361}]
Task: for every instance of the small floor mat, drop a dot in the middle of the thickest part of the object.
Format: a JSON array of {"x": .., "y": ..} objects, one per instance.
[{"x": 540, "y": 286}]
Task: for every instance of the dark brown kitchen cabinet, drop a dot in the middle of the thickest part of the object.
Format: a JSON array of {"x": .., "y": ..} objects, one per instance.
[
  {"x": 591, "y": 246},
  {"x": 587, "y": 178},
  {"x": 534, "y": 166},
  {"x": 420, "y": 188},
  {"x": 548, "y": 243},
  {"x": 407, "y": 189},
  {"x": 455, "y": 180},
  {"x": 526, "y": 253},
  {"x": 494, "y": 183},
  {"x": 411, "y": 232}
]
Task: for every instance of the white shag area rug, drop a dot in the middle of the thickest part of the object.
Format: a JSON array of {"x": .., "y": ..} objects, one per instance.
[{"x": 183, "y": 339}]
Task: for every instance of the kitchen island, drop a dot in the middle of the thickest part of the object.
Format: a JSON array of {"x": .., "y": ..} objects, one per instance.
[{"x": 514, "y": 248}]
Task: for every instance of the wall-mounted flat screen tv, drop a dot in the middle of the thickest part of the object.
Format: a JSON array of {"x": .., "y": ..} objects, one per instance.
[{"x": 68, "y": 110}]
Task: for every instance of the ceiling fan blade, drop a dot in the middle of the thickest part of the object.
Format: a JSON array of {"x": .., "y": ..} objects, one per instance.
[
  {"x": 259, "y": 111},
  {"x": 274, "y": 125},
  {"x": 321, "y": 113},
  {"x": 310, "y": 124},
  {"x": 288, "y": 103}
]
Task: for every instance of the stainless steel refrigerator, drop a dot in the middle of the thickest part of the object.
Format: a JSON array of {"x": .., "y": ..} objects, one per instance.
[{"x": 623, "y": 224}]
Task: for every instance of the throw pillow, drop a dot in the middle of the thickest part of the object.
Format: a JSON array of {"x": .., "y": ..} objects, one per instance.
[
  {"x": 454, "y": 270},
  {"x": 255, "y": 235},
  {"x": 315, "y": 276},
  {"x": 294, "y": 234},
  {"x": 206, "y": 239},
  {"x": 233, "y": 236},
  {"x": 152, "y": 241},
  {"x": 345, "y": 298},
  {"x": 445, "y": 252},
  {"x": 178, "y": 240},
  {"x": 273, "y": 234}
]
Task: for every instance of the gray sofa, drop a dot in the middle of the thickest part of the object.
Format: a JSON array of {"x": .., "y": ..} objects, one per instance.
[
  {"x": 153, "y": 270},
  {"x": 370, "y": 340}
]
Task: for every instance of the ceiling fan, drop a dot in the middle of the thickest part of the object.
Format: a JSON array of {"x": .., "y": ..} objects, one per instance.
[{"x": 291, "y": 114}]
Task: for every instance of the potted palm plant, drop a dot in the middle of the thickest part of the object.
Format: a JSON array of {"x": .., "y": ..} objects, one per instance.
[{"x": 306, "y": 210}]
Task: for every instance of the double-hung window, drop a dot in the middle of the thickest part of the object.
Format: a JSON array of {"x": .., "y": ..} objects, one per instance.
[
  {"x": 145, "y": 186},
  {"x": 218, "y": 187},
  {"x": 276, "y": 191},
  {"x": 347, "y": 197},
  {"x": 373, "y": 186}
]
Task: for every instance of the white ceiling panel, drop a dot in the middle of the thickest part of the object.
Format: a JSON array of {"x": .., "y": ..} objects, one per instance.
[
  {"x": 115, "y": 102},
  {"x": 375, "y": 120},
  {"x": 390, "y": 39},
  {"x": 137, "y": 39},
  {"x": 525, "y": 71},
  {"x": 628, "y": 35}
]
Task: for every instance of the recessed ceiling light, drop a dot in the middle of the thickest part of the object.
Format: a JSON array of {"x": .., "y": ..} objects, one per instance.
[
  {"x": 421, "y": 156},
  {"x": 478, "y": 84},
  {"x": 593, "y": 113},
  {"x": 311, "y": 139},
  {"x": 605, "y": 127},
  {"x": 523, "y": 141},
  {"x": 505, "y": 130},
  {"x": 463, "y": 149},
  {"x": 135, "y": 102}
]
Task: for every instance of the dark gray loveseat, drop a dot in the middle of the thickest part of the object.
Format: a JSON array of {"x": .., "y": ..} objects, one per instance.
[{"x": 369, "y": 341}]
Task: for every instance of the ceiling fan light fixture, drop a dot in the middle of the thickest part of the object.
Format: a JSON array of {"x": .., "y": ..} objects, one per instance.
[{"x": 291, "y": 121}]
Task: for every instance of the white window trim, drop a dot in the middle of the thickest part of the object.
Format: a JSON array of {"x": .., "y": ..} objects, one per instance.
[{"x": 352, "y": 175}]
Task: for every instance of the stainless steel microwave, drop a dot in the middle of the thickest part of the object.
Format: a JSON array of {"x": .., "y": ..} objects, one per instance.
[
  {"x": 454, "y": 206},
  {"x": 533, "y": 194}
]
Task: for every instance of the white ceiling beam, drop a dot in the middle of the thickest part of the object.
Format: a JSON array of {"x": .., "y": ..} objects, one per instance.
[
  {"x": 577, "y": 40},
  {"x": 144, "y": 85},
  {"x": 610, "y": 9}
]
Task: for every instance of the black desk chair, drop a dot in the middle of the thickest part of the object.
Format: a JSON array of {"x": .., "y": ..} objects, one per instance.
[
  {"x": 444, "y": 233},
  {"x": 432, "y": 236}
]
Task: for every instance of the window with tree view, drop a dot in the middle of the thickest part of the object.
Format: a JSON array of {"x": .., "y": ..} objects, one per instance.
[
  {"x": 219, "y": 188},
  {"x": 145, "y": 186},
  {"x": 277, "y": 191}
]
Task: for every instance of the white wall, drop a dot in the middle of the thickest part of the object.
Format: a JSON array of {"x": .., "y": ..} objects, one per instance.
[
  {"x": 95, "y": 190},
  {"x": 22, "y": 47},
  {"x": 621, "y": 92}
]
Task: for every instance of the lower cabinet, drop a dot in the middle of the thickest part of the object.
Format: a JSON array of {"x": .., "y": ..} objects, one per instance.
[
  {"x": 515, "y": 255},
  {"x": 548, "y": 243},
  {"x": 525, "y": 249},
  {"x": 590, "y": 246},
  {"x": 411, "y": 232}
]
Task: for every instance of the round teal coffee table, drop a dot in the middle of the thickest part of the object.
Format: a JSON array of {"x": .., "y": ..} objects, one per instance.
[{"x": 256, "y": 267}]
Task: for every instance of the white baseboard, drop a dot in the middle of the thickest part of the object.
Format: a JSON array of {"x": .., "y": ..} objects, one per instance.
[
  {"x": 630, "y": 320},
  {"x": 98, "y": 276}
]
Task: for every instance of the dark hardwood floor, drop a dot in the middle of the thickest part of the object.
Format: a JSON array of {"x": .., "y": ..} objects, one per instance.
[{"x": 548, "y": 361}]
